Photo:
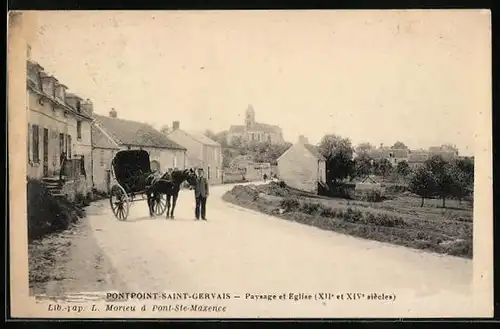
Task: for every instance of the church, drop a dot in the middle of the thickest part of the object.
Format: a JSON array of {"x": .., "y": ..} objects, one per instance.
[{"x": 253, "y": 131}]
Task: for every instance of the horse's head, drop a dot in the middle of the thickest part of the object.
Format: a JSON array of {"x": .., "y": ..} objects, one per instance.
[{"x": 179, "y": 176}]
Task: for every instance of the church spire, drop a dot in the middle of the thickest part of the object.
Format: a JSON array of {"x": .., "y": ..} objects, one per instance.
[{"x": 249, "y": 116}]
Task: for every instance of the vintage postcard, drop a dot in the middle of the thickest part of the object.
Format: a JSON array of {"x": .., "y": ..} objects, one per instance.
[{"x": 244, "y": 164}]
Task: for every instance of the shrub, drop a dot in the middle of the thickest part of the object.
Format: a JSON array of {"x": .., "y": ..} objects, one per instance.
[
  {"x": 310, "y": 208},
  {"x": 290, "y": 204},
  {"x": 326, "y": 211},
  {"x": 281, "y": 184},
  {"x": 47, "y": 214},
  {"x": 352, "y": 215}
]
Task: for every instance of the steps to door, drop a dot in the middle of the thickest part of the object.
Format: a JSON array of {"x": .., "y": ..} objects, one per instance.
[{"x": 54, "y": 186}]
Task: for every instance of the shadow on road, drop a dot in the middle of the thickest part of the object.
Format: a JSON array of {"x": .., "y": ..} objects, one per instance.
[{"x": 160, "y": 218}]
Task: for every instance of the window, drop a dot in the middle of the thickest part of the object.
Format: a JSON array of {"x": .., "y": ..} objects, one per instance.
[
  {"x": 78, "y": 106},
  {"x": 101, "y": 156},
  {"x": 79, "y": 130},
  {"x": 208, "y": 172},
  {"x": 35, "y": 143},
  {"x": 175, "y": 161},
  {"x": 269, "y": 138},
  {"x": 217, "y": 172}
]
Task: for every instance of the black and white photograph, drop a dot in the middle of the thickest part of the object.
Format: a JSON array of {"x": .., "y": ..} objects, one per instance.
[{"x": 244, "y": 164}]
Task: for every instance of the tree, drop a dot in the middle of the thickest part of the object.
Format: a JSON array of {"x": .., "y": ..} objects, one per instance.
[
  {"x": 403, "y": 169},
  {"x": 221, "y": 138},
  {"x": 399, "y": 145},
  {"x": 210, "y": 135},
  {"x": 364, "y": 147},
  {"x": 422, "y": 183},
  {"x": 443, "y": 176},
  {"x": 462, "y": 171},
  {"x": 382, "y": 167},
  {"x": 363, "y": 165},
  {"x": 338, "y": 152},
  {"x": 236, "y": 142}
]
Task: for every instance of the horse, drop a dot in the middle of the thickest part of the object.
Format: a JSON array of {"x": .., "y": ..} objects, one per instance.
[{"x": 170, "y": 186}]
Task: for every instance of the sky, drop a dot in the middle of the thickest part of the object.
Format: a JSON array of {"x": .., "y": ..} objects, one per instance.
[{"x": 371, "y": 76}]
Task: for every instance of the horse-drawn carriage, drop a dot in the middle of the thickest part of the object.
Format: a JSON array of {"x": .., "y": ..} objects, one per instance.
[{"x": 133, "y": 177}]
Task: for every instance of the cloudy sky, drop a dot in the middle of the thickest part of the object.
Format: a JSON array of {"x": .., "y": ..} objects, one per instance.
[{"x": 374, "y": 76}]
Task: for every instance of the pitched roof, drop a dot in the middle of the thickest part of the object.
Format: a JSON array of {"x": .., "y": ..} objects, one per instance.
[
  {"x": 315, "y": 151},
  {"x": 100, "y": 140},
  {"x": 237, "y": 128},
  {"x": 258, "y": 126},
  {"x": 200, "y": 137},
  {"x": 264, "y": 127},
  {"x": 135, "y": 133}
]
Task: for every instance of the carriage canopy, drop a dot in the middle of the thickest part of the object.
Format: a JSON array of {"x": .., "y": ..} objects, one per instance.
[{"x": 130, "y": 164}]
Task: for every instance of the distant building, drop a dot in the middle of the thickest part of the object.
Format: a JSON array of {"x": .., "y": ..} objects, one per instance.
[
  {"x": 201, "y": 152},
  {"x": 417, "y": 158},
  {"x": 394, "y": 156},
  {"x": 253, "y": 131},
  {"x": 302, "y": 166},
  {"x": 249, "y": 169},
  {"x": 110, "y": 134},
  {"x": 413, "y": 157}
]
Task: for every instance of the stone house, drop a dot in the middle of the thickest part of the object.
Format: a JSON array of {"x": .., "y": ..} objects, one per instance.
[
  {"x": 59, "y": 135},
  {"x": 253, "y": 131},
  {"x": 111, "y": 134},
  {"x": 201, "y": 152},
  {"x": 302, "y": 166}
]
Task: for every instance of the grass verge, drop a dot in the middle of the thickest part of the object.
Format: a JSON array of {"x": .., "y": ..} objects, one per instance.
[{"x": 399, "y": 221}]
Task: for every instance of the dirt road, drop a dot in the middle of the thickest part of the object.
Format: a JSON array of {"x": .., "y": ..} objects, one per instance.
[{"x": 240, "y": 251}]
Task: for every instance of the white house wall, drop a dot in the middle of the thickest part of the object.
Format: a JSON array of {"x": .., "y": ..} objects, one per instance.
[{"x": 299, "y": 168}]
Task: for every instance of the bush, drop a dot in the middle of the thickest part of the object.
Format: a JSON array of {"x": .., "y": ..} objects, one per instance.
[
  {"x": 290, "y": 204},
  {"x": 310, "y": 208},
  {"x": 47, "y": 214},
  {"x": 341, "y": 190},
  {"x": 327, "y": 211},
  {"x": 352, "y": 215},
  {"x": 281, "y": 184}
]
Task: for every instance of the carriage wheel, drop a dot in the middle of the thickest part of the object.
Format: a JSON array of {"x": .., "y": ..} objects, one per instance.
[
  {"x": 160, "y": 205},
  {"x": 120, "y": 202}
]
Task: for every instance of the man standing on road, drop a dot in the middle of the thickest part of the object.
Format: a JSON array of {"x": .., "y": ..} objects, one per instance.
[{"x": 200, "y": 194}]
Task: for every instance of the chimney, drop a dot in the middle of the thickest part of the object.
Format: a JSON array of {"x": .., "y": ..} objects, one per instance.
[
  {"x": 175, "y": 125},
  {"x": 112, "y": 113},
  {"x": 88, "y": 106},
  {"x": 303, "y": 139}
]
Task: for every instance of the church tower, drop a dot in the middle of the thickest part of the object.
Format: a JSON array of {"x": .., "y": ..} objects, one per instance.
[{"x": 249, "y": 117}]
